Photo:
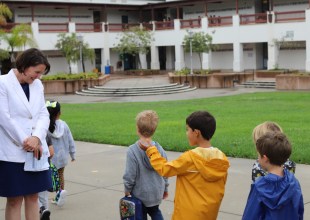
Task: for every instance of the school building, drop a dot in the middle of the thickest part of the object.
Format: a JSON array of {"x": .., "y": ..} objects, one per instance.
[{"x": 248, "y": 34}]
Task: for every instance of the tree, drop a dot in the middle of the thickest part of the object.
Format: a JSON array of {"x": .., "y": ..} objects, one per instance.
[
  {"x": 134, "y": 41},
  {"x": 201, "y": 43},
  {"x": 5, "y": 13},
  {"x": 74, "y": 49},
  {"x": 19, "y": 36}
]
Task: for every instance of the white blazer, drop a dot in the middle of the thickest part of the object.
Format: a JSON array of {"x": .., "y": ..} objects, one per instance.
[{"x": 20, "y": 118}]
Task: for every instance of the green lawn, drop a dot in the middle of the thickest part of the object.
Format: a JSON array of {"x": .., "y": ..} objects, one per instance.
[{"x": 114, "y": 123}]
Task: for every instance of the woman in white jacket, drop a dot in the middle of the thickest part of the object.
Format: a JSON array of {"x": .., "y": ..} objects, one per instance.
[{"x": 24, "y": 121}]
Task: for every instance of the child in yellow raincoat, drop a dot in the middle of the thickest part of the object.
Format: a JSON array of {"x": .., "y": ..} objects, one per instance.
[{"x": 201, "y": 172}]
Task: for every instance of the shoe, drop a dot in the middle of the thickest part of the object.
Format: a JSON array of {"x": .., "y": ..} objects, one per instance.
[
  {"x": 62, "y": 198},
  {"x": 44, "y": 213},
  {"x": 54, "y": 201}
]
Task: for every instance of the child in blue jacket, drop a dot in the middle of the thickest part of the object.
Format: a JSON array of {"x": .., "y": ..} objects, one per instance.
[{"x": 278, "y": 194}]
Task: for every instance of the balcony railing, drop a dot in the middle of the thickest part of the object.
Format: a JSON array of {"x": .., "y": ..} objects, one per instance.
[
  {"x": 53, "y": 27},
  {"x": 147, "y": 26},
  {"x": 191, "y": 23},
  {"x": 220, "y": 21},
  {"x": 253, "y": 18},
  {"x": 113, "y": 27},
  {"x": 8, "y": 27},
  {"x": 88, "y": 27},
  {"x": 290, "y": 16},
  {"x": 164, "y": 25}
]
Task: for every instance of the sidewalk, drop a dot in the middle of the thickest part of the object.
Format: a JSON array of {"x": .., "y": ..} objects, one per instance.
[{"x": 94, "y": 184}]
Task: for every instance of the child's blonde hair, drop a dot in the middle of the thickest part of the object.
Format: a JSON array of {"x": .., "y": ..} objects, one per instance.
[
  {"x": 263, "y": 128},
  {"x": 147, "y": 122}
]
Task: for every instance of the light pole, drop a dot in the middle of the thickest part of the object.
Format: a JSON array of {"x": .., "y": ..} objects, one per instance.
[{"x": 190, "y": 34}]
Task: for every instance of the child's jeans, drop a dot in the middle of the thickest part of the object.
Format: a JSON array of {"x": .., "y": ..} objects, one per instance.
[{"x": 153, "y": 211}]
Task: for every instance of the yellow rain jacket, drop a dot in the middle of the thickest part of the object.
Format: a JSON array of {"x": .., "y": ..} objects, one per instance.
[{"x": 201, "y": 178}]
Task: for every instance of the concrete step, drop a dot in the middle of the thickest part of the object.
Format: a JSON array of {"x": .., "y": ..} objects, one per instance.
[{"x": 135, "y": 91}]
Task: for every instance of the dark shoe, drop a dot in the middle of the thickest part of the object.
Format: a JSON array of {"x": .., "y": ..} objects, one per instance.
[{"x": 45, "y": 214}]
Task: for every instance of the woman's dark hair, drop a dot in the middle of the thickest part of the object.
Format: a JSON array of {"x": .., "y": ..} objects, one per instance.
[
  {"x": 202, "y": 121},
  {"x": 53, "y": 108},
  {"x": 31, "y": 57}
]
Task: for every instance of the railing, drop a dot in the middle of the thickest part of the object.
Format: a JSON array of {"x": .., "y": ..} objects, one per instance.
[
  {"x": 191, "y": 23},
  {"x": 147, "y": 26},
  {"x": 289, "y": 16},
  {"x": 53, "y": 27},
  {"x": 88, "y": 27},
  {"x": 220, "y": 21},
  {"x": 253, "y": 18},
  {"x": 8, "y": 27},
  {"x": 164, "y": 25},
  {"x": 112, "y": 27}
]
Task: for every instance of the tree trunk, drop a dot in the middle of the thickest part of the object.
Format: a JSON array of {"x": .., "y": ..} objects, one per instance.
[{"x": 199, "y": 54}]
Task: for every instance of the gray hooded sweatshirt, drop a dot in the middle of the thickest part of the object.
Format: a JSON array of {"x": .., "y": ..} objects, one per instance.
[
  {"x": 141, "y": 180},
  {"x": 63, "y": 144}
]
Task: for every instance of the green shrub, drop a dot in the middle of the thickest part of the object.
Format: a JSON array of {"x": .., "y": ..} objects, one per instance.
[
  {"x": 66, "y": 76},
  {"x": 183, "y": 72}
]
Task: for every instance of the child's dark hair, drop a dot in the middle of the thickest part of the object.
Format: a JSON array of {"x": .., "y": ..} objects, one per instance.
[
  {"x": 202, "y": 121},
  {"x": 275, "y": 146},
  {"x": 53, "y": 108}
]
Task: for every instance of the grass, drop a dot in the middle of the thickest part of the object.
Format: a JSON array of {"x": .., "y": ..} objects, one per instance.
[{"x": 114, "y": 123}]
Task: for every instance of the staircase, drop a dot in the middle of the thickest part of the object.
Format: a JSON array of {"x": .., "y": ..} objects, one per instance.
[
  {"x": 258, "y": 84},
  {"x": 135, "y": 91}
]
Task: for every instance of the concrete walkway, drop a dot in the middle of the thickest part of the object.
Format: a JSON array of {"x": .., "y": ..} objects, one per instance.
[{"x": 94, "y": 180}]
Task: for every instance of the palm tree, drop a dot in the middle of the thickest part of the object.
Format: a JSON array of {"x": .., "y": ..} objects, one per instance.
[
  {"x": 5, "y": 13},
  {"x": 20, "y": 36}
]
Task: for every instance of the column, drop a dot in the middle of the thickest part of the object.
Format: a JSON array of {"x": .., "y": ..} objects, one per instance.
[
  {"x": 207, "y": 60},
  {"x": 169, "y": 58},
  {"x": 154, "y": 58},
  {"x": 102, "y": 61},
  {"x": 143, "y": 63},
  {"x": 238, "y": 57},
  {"x": 179, "y": 57},
  {"x": 71, "y": 27},
  {"x": 74, "y": 67},
  {"x": 273, "y": 55}
]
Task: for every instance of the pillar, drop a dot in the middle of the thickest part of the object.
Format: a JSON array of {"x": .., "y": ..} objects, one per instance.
[
  {"x": 179, "y": 57},
  {"x": 154, "y": 58},
  {"x": 238, "y": 57}
]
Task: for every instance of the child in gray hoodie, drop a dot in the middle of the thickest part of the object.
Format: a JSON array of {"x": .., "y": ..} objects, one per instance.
[
  {"x": 63, "y": 143},
  {"x": 140, "y": 179}
]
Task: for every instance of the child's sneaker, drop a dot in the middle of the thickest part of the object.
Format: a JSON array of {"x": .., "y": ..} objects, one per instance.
[
  {"x": 54, "y": 201},
  {"x": 44, "y": 213},
  {"x": 62, "y": 198}
]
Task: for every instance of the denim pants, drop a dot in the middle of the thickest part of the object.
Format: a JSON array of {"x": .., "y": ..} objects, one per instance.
[{"x": 153, "y": 211}]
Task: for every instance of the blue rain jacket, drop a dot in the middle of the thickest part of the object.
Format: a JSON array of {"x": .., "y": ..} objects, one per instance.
[{"x": 274, "y": 197}]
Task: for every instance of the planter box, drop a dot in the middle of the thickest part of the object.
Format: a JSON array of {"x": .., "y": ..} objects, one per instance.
[
  {"x": 272, "y": 73},
  {"x": 215, "y": 80},
  {"x": 71, "y": 86},
  {"x": 293, "y": 82}
]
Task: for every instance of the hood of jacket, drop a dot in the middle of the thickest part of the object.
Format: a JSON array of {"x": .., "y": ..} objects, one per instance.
[
  {"x": 59, "y": 129},
  {"x": 211, "y": 163},
  {"x": 275, "y": 191}
]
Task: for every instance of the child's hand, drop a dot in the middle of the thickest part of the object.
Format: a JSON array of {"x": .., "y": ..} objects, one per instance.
[
  {"x": 145, "y": 144},
  {"x": 165, "y": 196},
  {"x": 127, "y": 193}
]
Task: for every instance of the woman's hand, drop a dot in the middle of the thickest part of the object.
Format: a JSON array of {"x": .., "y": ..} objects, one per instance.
[
  {"x": 31, "y": 143},
  {"x": 37, "y": 153}
]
